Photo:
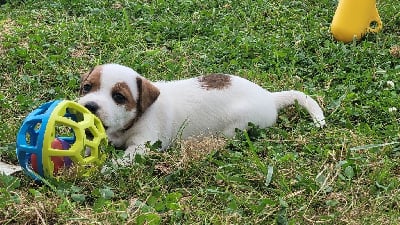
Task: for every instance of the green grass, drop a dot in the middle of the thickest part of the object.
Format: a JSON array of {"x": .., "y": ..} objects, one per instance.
[{"x": 293, "y": 173}]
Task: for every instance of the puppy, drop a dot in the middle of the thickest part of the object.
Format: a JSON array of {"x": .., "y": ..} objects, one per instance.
[{"x": 135, "y": 111}]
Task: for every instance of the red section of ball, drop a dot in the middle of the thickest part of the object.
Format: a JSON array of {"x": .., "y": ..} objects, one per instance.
[
  {"x": 58, "y": 161},
  {"x": 34, "y": 163}
]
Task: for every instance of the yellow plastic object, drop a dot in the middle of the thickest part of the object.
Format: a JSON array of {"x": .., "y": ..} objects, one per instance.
[
  {"x": 354, "y": 18},
  {"x": 75, "y": 122}
]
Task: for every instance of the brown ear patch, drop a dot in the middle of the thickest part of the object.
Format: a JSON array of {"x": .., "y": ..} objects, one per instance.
[
  {"x": 215, "y": 81},
  {"x": 148, "y": 93},
  {"x": 90, "y": 81},
  {"x": 121, "y": 93}
]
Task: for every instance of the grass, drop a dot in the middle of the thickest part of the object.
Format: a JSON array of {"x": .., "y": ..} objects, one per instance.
[{"x": 293, "y": 173}]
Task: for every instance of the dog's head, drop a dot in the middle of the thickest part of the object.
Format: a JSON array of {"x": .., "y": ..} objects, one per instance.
[{"x": 117, "y": 94}]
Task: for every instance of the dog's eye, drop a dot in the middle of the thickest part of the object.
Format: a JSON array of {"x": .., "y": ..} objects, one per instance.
[
  {"x": 119, "y": 98},
  {"x": 86, "y": 88}
]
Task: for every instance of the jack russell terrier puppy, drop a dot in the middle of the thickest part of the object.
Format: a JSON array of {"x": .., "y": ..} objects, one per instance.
[{"x": 135, "y": 111}]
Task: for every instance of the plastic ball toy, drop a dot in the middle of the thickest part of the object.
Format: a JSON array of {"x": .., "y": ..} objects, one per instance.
[{"x": 59, "y": 135}]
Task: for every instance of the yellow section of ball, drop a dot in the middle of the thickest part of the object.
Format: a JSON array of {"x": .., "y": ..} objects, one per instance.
[{"x": 84, "y": 132}]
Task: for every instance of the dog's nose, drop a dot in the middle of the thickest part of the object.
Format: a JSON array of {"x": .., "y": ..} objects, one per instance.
[{"x": 92, "y": 106}]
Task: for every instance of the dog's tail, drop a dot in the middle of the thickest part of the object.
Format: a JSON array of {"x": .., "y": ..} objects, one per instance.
[{"x": 286, "y": 98}]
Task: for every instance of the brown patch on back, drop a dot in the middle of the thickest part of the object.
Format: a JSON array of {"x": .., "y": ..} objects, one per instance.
[
  {"x": 123, "y": 89},
  {"x": 92, "y": 78},
  {"x": 215, "y": 81}
]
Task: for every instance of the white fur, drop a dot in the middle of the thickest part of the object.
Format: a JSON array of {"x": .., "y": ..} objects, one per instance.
[{"x": 184, "y": 108}]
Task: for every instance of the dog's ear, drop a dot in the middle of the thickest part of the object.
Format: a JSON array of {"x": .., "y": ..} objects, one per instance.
[
  {"x": 91, "y": 78},
  {"x": 85, "y": 75},
  {"x": 82, "y": 81},
  {"x": 148, "y": 93}
]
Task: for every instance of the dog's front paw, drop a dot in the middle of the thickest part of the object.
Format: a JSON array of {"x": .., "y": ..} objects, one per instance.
[
  {"x": 106, "y": 169},
  {"x": 131, "y": 152},
  {"x": 113, "y": 166}
]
